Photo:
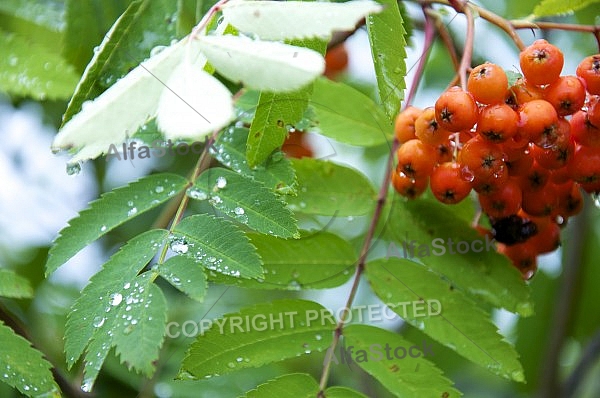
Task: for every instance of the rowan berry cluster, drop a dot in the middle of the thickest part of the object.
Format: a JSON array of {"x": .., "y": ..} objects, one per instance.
[{"x": 527, "y": 149}]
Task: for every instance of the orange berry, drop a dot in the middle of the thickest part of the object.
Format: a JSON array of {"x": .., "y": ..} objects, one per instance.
[
  {"x": 488, "y": 83},
  {"x": 503, "y": 203},
  {"x": 428, "y": 130},
  {"x": 410, "y": 188},
  {"x": 447, "y": 183},
  {"x": 404, "y": 126},
  {"x": 567, "y": 95},
  {"x": 589, "y": 71},
  {"x": 456, "y": 110},
  {"x": 541, "y": 62},
  {"x": 537, "y": 120},
  {"x": 497, "y": 122},
  {"x": 415, "y": 159}
]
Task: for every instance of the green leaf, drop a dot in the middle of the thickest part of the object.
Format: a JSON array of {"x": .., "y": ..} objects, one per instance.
[
  {"x": 271, "y": 20},
  {"x": 30, "y": 70},
  {"x": 274, "y": 116},
  {"x": 124, "y": 47},
  {"x": 111, "y": 210},
  {"x": 86, "y": 25},
  {"x": 553, "y": 7},
  {"x": 13, "y": 285},
  {"x": 276, "y": 173},
  {"x": 297, "y": 385},
  {"x": 184, "y": 274},
  {"x": 348, "y": 116},
  {"x": 343, "y": 392},
  {"x": 406, "y": 377},
  {"x": 455, "y": 322},
  {"x": 276, "y": 331},
  {"x": 330, "y": 189},
  {"x": 481, "y": 272},
  {"x": 24, "y": 367},
  {"x": 276, "y": 113},
  {"x": 315, "y": 261},
  {"x": 119, "y": 308},
  {"x": 388, "y": 41},
  {"x": 218, "y": 245},
  {"x": 245, "y": 200}
]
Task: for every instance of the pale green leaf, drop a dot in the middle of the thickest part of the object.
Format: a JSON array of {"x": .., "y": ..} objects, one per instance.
[
  {"x": 104, "y": 314},
  {"x": 276, "y": 331},
  {"x": 111, "y": 210},
  {"x": 24, "y": 367},
  {"x": 245, "y": 200},
  {"x": 193, "y": 103},
  {"x": 184, "y": 274},
  {"x": 477, "y": 270},
  {"x": 553, "y": 7},
  {"x": 343, "y": 392},
  {"x": 276, "y": 173},
  {"x": 28, "y": 69},
  {"x": 274, "y": 20},
  {"x": 455, "y": 322},
  {"x": 405, "y": 377},
  {"x": 388, "y": 41},
  {"x": 297, "y": 385},
  {"x": 262, "y": 65},
  {"x": 13, "y": 285},
  {"x": 218, "y": 245},
  {"x": 126, "y": 44},
  {"x": 348, "y": 116},
  {"x": 315, "y": 261},
  {"x": 327, "y": 188}
]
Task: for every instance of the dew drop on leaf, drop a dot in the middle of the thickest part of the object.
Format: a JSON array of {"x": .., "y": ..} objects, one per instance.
[
  {"x": 131, "y": 212},
  {"x": 99, "y": 321},
  {"x": 239, "y": 211},
  {"x": 596, "y": 198},
  {"x": 115, "y": 299},
  {"x": 196, "y": 193},
  {"x": 221, "y": 182},
  {"x": 73, "y": 169},
  {"x": 159, "y": 189}
]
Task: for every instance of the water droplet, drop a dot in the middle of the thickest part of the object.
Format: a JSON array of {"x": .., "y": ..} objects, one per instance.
[
  {"x": 115, "y": 299},
  {"x": 179, "y": 247},
  {"x": 239, "y": 359},
  {"x": 73, "y": 169},
  {"x": 99, "y": 321},
  {"x": 221, "y": 182},
  {"x": 231, "y": 365},
  {"x": 196, "y": 193},
  {"x": 159, "y": 189},
  {"x": 467, "y": 174},
  {"x": 131, "y": 212},
  {"x": 103, "y": 228},
  {"x": 318, "y": 337},
  {"x": 127, "y": 286},
  {"x": 239, "y": 211},
  {"x": 87, "y": 385},
  {"x": 596, "y": 198}
]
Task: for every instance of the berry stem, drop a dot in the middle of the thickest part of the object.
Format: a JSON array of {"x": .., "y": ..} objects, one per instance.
[
  {"x": 465, "y": 61},
  {"x": 445, "y": 36},
  {"x": 428, "y": 42}
]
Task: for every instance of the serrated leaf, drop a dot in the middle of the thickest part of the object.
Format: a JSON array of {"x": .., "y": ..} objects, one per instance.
[
  {"x": 277, "y": 330},
  {"x": 98, "y": 317},
  {"x": 262, "y": 65},
  {"x": 184, "y": 274},
  {"x": 315, "y": 261},
  {"x": 13, "y": 285},
  {"x": 193, "y": 104},
  {"x": 245, "y": 200},
  {"x": 553, "y": 7},
  {"x": 138, "y": 92},
  {"x": 272, "y": 20},
  {"x": 297, "y": 385},
  {"x": 512, "y": 77},
  {"x": 406, "y": 377},
  {"x": 276, "y": 174},
  {"x": 111, "y": 210},
  {"x": 343, "y": 392},
  {"x": 125, "y": 45},
  {"x": 349, "y": 116},
  {"x": 28, "y": 69},
  {"x": 459, "y": 324},
  {"x": 388, "y": 41},
  {"x": 276, "y": 113},
  {"x": 327, "y": 188},
  {"x": 480, "y": 271},
  {"x": 23, "y": 367},
  {"x": 218, "y": 245},
  {"x": 86, "y": 24}
]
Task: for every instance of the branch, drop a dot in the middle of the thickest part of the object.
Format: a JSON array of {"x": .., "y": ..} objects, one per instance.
[{"x": 588, "y": 360}]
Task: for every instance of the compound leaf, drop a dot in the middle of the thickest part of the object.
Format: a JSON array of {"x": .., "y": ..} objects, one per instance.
[
  {"x": 553, "y": 7},
  {"x": 13, "y": 285},
  {"x": 24, "y": 367},
  {"x": 111, "y": 210},
  {"x": 459, "y": 324},
  {"x": 218, "y": 245},
  {"x": 297, "y": 385},
  {"x": 406, "y": 377},
  {"x": 245, "y": 200},
  {"x": 327, "y": 188},
  {"x": 275, "y": 331},
  {"x": 184, "y": 274}
]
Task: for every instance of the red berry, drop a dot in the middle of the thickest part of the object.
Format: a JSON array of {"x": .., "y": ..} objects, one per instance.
[
  {"x": 448, "y": 184},
  {"x": 488, "y": 83},
  {"x": 541, "y": 62},
  {"x": 456, "y": 110},
  {"x": 589, "y": 71}
]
